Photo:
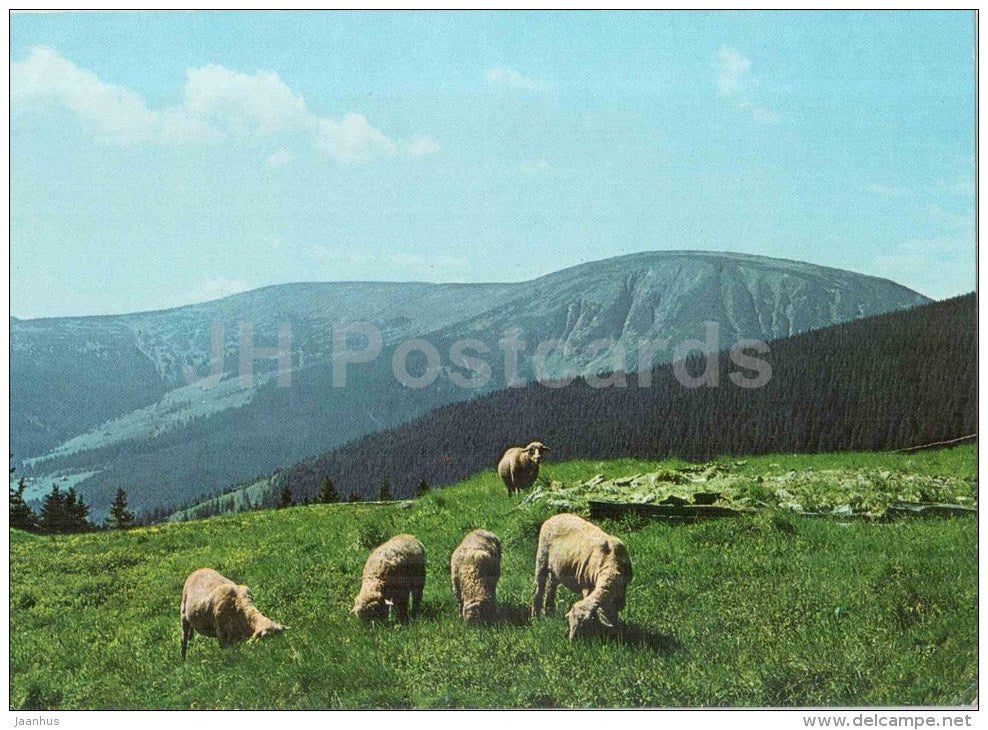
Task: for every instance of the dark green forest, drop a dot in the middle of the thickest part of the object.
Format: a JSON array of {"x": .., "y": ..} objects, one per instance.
[{"x": 880, "y": 383}]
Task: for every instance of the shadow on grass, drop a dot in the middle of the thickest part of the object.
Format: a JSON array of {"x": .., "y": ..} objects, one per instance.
[
  {"x": 638, "y": 636},
  {"x": 514, "y": 614}
]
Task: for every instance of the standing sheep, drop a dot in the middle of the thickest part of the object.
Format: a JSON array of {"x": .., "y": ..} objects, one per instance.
[
  {"x": 586, "y": 560},
  {"x": 394, "y": 571},
  {"x": 519, "y": 467},
  {"x": 475, "y": 568},
  {"x": 217, "y": 607}
]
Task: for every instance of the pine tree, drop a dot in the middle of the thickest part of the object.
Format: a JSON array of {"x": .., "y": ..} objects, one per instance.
[
  {"x": 22, "y": 517},
  {"x": 327, "y": 492},
  {"x": 120, "y": 517},
  {"x": 53, "y": 513},
  {"x": 286, "y": 497},
  {"x": 354, "y": 497},
  {"x": 422, "y": 489},
  {"x": 385, "y": 494},
  {"x": 76, "y": 512}
]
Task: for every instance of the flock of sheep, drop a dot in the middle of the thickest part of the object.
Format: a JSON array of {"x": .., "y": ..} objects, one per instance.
[{"x": 571, "y": 552}]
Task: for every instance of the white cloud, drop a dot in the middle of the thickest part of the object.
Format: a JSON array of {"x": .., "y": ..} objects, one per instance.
[
  {"x": 535, "y": 168},
  {"x": 279, "y": 158},
  {"x": 352, "y": 139},
  {"x": 236, "y": 104},
  {"x": 732, "y": 67},
  {"x": 734, "y": 82},
  {"x": 218, "y": 104},
  {"x": 508, "y": 77},
  {"x": 422, "y": 146},
  {"x": 112, "y": 113}
]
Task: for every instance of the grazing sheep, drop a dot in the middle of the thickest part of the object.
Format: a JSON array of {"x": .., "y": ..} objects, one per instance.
[
  {"x": 217, "y": 607},
  {"x": 519, "y": 467},
  {"x": 394, "y": 571},
  {"x": 586, "y": 560},
  {"x": 475, "y": 568}
]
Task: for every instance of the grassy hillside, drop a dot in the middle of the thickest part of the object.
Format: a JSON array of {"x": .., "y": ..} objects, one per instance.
[{"x": 763, "y": 610}]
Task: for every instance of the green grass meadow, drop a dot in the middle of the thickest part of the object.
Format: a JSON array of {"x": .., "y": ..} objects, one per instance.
[{"x": 764, "y": 610}]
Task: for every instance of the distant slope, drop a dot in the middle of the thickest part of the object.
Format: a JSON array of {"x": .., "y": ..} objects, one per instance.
[
  {"x": 885, "y": 382},
  {"x": 103, "y": 401}
]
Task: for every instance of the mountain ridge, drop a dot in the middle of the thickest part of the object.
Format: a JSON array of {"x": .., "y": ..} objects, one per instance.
[
  {"x": 697, "y": 253},
  {"x": 105, "y": 399},
  {"x": 900, "y": 396}
]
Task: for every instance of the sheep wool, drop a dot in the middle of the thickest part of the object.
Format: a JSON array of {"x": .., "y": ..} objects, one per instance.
[
  {"x": 215, "y": 606},
  {"x": 393, "y": 574},
  {"x": 519, "y": 467},
  {"x": 475, "y": 568},
  {"x": 588, "y": 561}
]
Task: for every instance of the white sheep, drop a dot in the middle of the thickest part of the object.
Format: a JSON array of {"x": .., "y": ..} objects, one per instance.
[
  {"x": 588, "y": 561},
  {"x": 394, "y": 571},
  {"x": 519, "y": 467},
  {"x": 475, "y": 568},
  {"x": 217, "y": 607}
]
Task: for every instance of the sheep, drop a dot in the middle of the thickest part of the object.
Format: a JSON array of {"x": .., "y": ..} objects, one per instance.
[
  {"x": 588, "y": 561},
  {"x": 394, "y": 571},
  {"x": 217, "y": 607},
  {"x": 475, "y": 568},
  {"x": 519, "y": 467}
]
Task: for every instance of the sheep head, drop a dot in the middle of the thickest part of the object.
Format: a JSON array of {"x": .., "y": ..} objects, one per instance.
[
  {"x": 478, "y": 612},
  {"x": 371, "y": 609},
  {"x": 586, "y": 617},
  {"x": 267, "y": 627},
  {"x": 536, "y": 451}
]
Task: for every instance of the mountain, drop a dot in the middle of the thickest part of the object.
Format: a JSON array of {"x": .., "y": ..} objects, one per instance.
[
  {"x": 886, "y": 382},
  {"x": 121, "y": 401}
]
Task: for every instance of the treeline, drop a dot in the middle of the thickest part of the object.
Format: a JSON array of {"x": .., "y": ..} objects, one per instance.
[
  {"x": 64, "y": 512},
  {"x": 279, "y": 497},
  {"x": 185, "y": 465},
  {"x": 885, "y": 382}
]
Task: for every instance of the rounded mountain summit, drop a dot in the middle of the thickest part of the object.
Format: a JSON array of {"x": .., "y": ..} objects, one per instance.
[{"x": 105, "y": 400}]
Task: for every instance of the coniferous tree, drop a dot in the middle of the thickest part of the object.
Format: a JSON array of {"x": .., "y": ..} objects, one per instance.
[
  {"x": 327, "y": 492},
  {"x": 22, "y": 517},
  {"x": 53, "y": 511},
  {"x": 286, "y": 499},
  {"x": 384, "y": 495},
  {"x": 76, "y": 512},
  {"x": 354, "y": 497},
  {"x": 120, "y": 517},
  {"x": 423, "y": 488},
  {"x": 885, "y": 382}
]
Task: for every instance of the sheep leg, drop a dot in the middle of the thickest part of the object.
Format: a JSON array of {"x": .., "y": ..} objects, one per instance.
[
  {"x": 456, "y": 592},
  {"x": 186, "y": 635},
  {"x": 550, "y": 596},
  {"x": 224, "y": 636},
  {"x": 417, "y": 596},
  {"x": 541, "y": 576},
  {"x": 401, "y": 608}
]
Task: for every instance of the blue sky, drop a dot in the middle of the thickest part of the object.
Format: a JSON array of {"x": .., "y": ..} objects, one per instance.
[{"x": 159, "y": 159}]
